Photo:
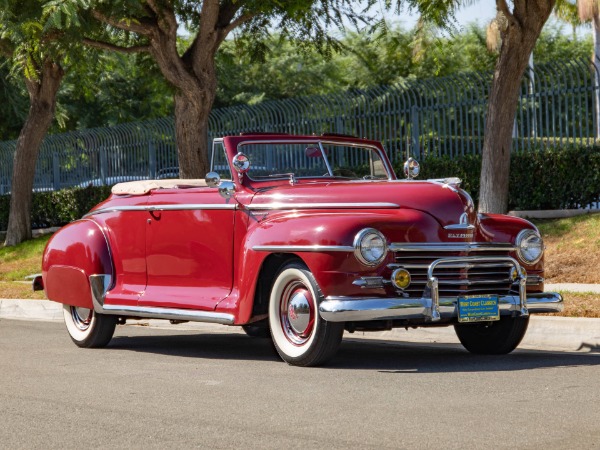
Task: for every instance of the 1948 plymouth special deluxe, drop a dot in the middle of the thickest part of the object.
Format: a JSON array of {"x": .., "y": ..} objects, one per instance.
[{"x": 299, "y": 238}]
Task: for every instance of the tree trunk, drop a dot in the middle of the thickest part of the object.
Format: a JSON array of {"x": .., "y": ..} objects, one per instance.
[
  {"x": 42, "y": 103},
  {"x": 193, "y": 75},
  {"x": 596, "y": 62},
  {"x": 518, "y": 40},
  {"x": 191, "y": 131}
]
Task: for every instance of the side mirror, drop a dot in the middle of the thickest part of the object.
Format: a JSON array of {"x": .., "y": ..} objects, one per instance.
[
  {"x": 241, "y": 163},
  {"x": 212, "y": 179},
  {"x": 227, "y": 189},
  {"x": 411, "y": 168}
]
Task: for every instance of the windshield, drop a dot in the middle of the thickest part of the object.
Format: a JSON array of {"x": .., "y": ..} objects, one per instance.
[{"x": 269, "y": 160}]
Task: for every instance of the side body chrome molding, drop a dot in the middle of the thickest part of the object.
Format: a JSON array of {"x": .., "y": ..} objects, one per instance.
[
  {"x": 207, "y": 206},
  {"x": 397, "y": 247},
  {"x": 303, "y": 248},
  {"x": 101, "y": 283}
]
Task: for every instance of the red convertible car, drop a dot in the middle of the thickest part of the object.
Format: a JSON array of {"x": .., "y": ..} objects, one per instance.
[{"x": 299, "y": 238}]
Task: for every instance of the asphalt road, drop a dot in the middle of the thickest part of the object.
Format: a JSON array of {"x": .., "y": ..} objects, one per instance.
[{"x": 154, "y": 388}]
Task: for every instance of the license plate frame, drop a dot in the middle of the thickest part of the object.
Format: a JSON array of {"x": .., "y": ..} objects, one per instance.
[{"x": 478, "y": 308}]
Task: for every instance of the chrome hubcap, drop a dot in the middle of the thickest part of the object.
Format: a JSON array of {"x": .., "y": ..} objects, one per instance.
[
  {"x": 297, "y": 313},
  {"x": 82, "y": 317}
]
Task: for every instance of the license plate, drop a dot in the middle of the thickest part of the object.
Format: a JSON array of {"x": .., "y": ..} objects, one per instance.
[{"x": 476, "y": 308}]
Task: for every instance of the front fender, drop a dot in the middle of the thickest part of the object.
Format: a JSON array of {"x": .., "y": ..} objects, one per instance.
[
  {"x": 333, "y": 270},
  {"x": 75, "y": 252}
]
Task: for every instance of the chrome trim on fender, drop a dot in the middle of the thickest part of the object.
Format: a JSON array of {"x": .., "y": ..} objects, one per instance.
[
  {"x": 279, "y": 205},
  {"x": 100, "y": 284},
  {"x": 357, "y": 309},
  {"x": 185, "y": 207},
  {"x": 303, "y": 248},
  {"x": 110, "y": 256},
  {"x": 452, "y": 247}
]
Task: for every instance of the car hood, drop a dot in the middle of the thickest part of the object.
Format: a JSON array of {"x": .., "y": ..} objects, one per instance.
[{"x": 444, "y": 202}]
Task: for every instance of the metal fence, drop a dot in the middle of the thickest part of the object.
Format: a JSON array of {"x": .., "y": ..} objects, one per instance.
[{"x": 436, "y": 116}]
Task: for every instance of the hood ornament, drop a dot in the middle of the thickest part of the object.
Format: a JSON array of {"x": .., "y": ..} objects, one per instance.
[{"x": 463, "y": 224}]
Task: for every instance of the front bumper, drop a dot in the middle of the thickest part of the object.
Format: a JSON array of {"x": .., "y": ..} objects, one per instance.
[
  {"x": 433, "y": 308},
  {"x": 358, "y": 309}
]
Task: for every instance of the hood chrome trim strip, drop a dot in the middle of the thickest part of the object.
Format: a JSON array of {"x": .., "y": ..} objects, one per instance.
[{"x": 279, "y": 205}]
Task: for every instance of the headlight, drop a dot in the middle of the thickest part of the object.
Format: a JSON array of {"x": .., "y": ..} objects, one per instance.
[
  {"x": 530, "y": 246},
  {"x": 370, "y": 247}
]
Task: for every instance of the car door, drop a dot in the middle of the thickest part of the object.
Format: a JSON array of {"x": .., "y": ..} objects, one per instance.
[{"x": 189, "y": 248}]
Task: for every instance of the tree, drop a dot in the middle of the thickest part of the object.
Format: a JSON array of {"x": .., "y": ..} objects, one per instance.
[
  {"x": 519, "y": 30},
  {"x": 34, "y": 54},
  {"x": 153, "y": 26}
]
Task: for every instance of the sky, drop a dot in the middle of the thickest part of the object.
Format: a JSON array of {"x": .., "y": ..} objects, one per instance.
[{"x": 480, "y": 12}]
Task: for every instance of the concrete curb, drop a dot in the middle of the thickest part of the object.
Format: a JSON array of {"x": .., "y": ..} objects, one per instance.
[
  {"x": 573, "y": 287},
  {"x": 544, "y": 333},
  {"x": 553, "y": 213},
  {"x": 30, "y": 310}
]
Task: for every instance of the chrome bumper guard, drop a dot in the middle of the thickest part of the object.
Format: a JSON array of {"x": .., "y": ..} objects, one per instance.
[{"x": 432, "y": 308}]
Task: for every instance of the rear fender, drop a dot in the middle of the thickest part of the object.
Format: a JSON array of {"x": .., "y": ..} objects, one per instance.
[{"x": 72, "y": 255}]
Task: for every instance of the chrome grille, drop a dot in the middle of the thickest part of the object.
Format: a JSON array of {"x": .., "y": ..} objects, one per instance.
[{"x": 457, "y": 279}]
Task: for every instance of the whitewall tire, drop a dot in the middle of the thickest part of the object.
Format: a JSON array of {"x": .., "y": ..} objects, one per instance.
[
  {"x": 300, "y": 335},
  {"x": 88, "y": 328}
]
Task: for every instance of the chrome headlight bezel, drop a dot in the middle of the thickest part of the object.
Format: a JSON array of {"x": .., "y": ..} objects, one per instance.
[
  {"x": 524, "y": 239},
  {"x": 362, "y": 253}
]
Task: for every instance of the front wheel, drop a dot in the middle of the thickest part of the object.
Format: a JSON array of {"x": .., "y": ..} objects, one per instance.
[
  {"x": 492, "y": 338},
  {"x": 300, "y": 335},
  {"x": 87, "y": 328}
]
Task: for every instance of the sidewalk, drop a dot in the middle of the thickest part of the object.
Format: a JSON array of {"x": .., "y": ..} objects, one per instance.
[{"x": 544, "y": 333}]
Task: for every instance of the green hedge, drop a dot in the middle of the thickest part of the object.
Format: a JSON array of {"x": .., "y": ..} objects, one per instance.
[
  {"x": 552, "y": 178},
  {"x": 55, "y": 208},
  {"x": 565, "y": 177}
]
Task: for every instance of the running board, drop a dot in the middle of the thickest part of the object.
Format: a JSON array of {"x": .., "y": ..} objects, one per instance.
[{"x": 101, "y": 283}]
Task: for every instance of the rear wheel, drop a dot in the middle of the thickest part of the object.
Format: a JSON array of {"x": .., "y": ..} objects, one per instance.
[
  {"x": 300, "y": 335},
  {"x": 493, "y": 338},
  {"x": 88, "y": 328}
]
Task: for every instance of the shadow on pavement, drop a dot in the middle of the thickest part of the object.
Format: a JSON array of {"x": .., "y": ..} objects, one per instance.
[{"x": 383, "y": 356}]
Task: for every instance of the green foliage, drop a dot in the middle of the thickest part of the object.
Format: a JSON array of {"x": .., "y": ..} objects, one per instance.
[
  {"x": 114, "y": 89},
  {"x": 56, "y": 208},
  {"x": 539, "y": 179},
  {"x": 25, "y": 250},
  {"x": 366, "y": 60}
]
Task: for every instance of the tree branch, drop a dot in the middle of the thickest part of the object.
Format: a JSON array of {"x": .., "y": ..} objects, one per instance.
[
  {"x": 237, "y": 22},
  {"x": 502, "y": 6},
  {"x": 143, "y": 28},
  {"x": 208, "y": 19},
  {"x": 163, "y": 13},
  {"x": 115, "y": 48}
]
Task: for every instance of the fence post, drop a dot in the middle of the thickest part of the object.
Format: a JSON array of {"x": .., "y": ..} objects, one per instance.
[
  {"x": 415, "y": 132},
  {"x": 339, "y": 125},
  {"x": 55, "y": 171},
  {"x": 103, "y": 165},
  {"x": 151, "y": 160}
]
